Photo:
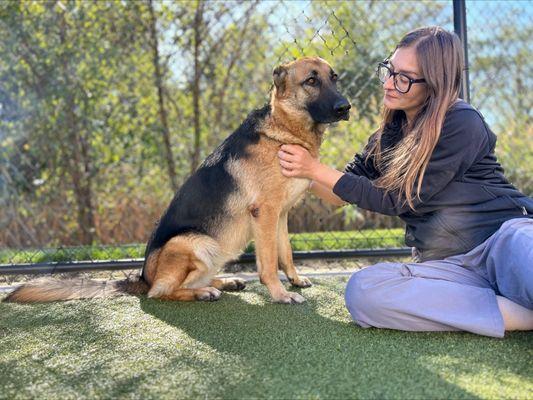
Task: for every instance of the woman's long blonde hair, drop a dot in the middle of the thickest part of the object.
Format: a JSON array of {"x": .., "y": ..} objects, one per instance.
[{"x": 440, "y": 59}]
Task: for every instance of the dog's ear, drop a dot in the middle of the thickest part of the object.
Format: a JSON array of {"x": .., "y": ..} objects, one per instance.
[{"x": 279, "y": 75}]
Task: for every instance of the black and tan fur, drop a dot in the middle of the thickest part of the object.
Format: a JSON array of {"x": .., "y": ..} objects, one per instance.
[{"x": 236, "y": 195}]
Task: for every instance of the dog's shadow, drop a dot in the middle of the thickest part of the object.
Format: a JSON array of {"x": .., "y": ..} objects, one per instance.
[{"x": 271, "y": 338}]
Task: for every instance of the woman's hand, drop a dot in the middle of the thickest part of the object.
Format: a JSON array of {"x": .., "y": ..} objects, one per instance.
[{"x": 297, "y": 162}]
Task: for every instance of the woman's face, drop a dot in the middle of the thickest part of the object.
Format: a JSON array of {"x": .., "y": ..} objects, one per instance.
[{"x": 404, "y": 60}]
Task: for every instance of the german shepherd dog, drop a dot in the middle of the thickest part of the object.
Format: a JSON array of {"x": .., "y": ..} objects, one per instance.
[{"x": 237, "y": 194}]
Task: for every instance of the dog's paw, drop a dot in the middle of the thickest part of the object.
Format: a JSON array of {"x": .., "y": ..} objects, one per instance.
[
  {"x": 208, "y": 294},
  {"x": 234, "y": 284},
  {"x": 289, "y": 298},
  {"x": 301, "y": 282}
]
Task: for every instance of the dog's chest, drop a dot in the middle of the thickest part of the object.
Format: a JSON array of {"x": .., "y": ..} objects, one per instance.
[{"x": 296, "y": 188}]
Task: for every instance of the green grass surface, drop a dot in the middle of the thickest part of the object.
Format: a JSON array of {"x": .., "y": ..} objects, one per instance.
[
  {"x": 364, "y": 239},
  {"x": 244, "y": 346}
]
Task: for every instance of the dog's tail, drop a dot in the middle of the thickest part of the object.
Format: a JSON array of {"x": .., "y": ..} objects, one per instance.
[{"x": 53, "y": 289}]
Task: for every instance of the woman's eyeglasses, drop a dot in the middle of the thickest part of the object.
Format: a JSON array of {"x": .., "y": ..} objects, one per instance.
[{"x": 402, "y": 83}]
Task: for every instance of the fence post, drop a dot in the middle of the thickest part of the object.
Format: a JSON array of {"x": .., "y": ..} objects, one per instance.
[{"x": 459, "y": 25}]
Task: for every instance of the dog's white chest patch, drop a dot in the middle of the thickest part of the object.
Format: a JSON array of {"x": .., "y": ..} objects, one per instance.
[{"x": 296, "y": 189}]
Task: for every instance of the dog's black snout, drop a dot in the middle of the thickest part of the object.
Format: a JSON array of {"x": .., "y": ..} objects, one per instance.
[{"x": 342, "y": 106}]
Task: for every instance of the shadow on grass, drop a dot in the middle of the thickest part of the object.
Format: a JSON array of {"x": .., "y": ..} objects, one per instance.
[
  {"x": 41, "y": 332},
  {"x": 296, "y": 351}
]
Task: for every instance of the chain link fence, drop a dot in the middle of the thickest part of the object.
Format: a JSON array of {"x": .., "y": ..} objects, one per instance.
[{"x": 107, "y": 107}]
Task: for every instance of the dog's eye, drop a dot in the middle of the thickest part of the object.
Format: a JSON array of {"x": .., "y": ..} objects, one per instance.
[
  {"x": 334, "y": 77},
  {"x": 312, "y": 81}
]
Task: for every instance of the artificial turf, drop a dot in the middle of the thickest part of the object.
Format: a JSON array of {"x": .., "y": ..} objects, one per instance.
[{"x": 244, "y": 346}]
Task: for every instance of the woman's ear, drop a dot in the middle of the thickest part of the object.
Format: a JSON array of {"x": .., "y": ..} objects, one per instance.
[{"x": 279, "y": 76}]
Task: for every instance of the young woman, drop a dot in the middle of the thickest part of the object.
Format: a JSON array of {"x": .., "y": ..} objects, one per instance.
[{"x": 432, "y": 163}]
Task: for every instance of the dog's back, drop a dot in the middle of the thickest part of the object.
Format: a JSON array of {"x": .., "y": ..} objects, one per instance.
[{"x": 201, "y": 203}]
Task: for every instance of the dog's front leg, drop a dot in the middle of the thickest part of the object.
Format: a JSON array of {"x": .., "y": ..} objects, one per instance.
[
  {"x": 286, "y": 262},
  {"x": 265, "y": 228}
]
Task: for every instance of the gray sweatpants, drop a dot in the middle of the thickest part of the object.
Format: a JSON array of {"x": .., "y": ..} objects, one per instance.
[{"x": 457, "y": 293}]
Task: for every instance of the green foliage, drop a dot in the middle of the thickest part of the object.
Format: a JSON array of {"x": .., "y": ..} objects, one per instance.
[
  {"x": 82, "y": 156},
  {"x": 83, "y": 102},
  {"x": 501, "y": 85}
]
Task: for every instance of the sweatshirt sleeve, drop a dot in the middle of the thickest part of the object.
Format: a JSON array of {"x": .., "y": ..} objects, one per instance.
[
  {"x": 463, "y": 141},
  {"x": 362, "y": 166}
]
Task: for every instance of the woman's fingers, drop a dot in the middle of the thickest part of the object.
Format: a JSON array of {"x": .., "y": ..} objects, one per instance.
[
  {"x": 285, "y": 164},
  {"x": 286, "y": 156},
  {"x": 289, "y": 148},
  {"x": 287, "y": 172}
]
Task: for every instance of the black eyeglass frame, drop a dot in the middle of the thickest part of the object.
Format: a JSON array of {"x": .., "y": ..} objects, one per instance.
[{"x": 385, "y": 64}]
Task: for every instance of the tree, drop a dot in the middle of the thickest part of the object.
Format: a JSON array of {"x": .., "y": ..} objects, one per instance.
[{"x": 64, "y": 62}]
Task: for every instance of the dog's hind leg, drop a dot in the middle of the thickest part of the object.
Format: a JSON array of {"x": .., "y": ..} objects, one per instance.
[
  {"x": 180, "y": 275},
  {"x": 166, "y": 289},
  {"x": 202, "y": 294},
  {"x": 286, "y": 262}
]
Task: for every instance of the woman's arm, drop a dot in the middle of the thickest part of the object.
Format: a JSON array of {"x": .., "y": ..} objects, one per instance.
[
  {"x": 363, "y": 164},
  {"x": 295, "y": 161},
  {"x": 463, "y": 139},
  {"x": 326, "y": 194},
  {"x": 360, "y": 165}
]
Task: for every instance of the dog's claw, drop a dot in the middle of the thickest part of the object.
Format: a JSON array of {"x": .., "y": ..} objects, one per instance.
[{"x": 290, "y": 298}]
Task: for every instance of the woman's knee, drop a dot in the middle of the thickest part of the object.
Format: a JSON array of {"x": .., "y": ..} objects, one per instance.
[
  {"x": 513, "y": 242},
  {"x": 510, "y": 263},
  {"x": 364, "y": 293}
]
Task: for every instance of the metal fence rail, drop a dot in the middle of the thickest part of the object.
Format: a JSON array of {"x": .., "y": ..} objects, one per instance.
[{"x": 247, "y": 258}]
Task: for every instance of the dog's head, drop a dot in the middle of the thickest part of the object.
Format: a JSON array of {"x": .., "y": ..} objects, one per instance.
[{"x": 307, "y": 89}]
